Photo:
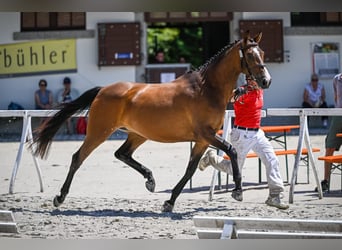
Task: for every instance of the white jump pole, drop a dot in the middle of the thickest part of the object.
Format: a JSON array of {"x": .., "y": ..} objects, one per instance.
[{"x": 26, "y": 134}]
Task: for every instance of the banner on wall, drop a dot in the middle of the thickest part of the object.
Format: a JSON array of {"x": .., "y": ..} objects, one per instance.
[
  {"x": 38, "y": 57},
  {"x": 326, "y": 59}
]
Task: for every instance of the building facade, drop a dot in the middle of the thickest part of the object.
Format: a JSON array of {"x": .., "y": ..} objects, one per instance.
[{"x": 290, "y": 74}]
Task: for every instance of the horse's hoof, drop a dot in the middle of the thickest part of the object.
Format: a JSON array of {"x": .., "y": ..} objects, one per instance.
[
  {"x": 56, "y": 202},
  {"x": 237, "y": 194},
  {"x": 167, "y": 207},
  {"x": 150, "y": 185}
]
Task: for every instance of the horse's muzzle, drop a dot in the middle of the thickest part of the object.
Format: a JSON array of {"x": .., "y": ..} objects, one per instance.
[
  {"x": 266, "y": 79},
  {"x": 266, "y": 83}
]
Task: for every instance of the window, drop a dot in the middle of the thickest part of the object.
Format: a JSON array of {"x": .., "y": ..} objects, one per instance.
[
  {"x": 194, "y": 36},
  {"x": 43, "y": 21},
  {"x": 316, "y": 18},
  {"x": 188, "y": 16},
  {"x": 118, "y": 44},
  {"x": 272, "y": 41}
]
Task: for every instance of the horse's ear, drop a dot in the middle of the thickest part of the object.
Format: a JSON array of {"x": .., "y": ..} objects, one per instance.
[{"x": 257, "y": 38}]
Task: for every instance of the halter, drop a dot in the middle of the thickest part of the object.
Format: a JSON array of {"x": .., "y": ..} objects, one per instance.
[{"x": 244, "y": 61}]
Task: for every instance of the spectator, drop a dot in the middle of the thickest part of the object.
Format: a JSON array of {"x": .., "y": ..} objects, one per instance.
[
  {"x": 247, "y": 135},
  {"x": 67, "y": 94},
  {"x": 159, "y": 57},
  {"x": 43, "y": 97},
  {"x": 182, "y": 59},
  {"x": 314, "y": 97},
  {"x": 332, "y": 142}
]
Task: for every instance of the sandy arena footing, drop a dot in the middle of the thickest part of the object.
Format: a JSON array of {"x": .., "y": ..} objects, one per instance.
[{"x": 109, "y": 200}]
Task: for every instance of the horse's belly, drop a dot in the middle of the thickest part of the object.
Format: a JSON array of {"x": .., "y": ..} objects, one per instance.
[{"x": 163, "y": 130}]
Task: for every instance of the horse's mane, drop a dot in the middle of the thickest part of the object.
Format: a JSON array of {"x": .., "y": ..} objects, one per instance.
[{"x": 214, "y": 59}]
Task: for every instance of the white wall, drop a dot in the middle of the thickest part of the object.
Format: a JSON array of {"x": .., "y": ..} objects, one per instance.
[
  {"x": 21, "y": 89},
  {"x": 289, "y": 78}
]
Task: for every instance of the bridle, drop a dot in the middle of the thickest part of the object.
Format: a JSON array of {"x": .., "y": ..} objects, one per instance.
[{"x": 244, "y": 63}]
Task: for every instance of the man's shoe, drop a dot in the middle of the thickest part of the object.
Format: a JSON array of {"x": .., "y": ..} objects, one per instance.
[
  {"x": 324, "y": 185},
  {"x": 219, "y": 163},
  {"x": 276, "y": 202},
  {"x": 204, "y": 162}
]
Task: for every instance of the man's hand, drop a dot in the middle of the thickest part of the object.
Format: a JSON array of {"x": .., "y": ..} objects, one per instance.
[{"x": 239, "y": 91}]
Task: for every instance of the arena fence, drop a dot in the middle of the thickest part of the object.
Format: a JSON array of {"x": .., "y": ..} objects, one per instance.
[{"x": 27, "y": 136}]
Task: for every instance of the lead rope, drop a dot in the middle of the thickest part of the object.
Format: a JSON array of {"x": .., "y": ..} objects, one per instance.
[{"x": 242, "y": 90}]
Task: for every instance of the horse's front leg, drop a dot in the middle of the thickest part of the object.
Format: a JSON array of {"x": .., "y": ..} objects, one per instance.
[
  {"x": 196, "y": 153},
  {"x": 231, "y": 152}
]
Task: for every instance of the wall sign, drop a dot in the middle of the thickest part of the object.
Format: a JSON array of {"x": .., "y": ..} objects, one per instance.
[
  {"x": 30, "y": 58},
  {"x": 326, "y": 59}
]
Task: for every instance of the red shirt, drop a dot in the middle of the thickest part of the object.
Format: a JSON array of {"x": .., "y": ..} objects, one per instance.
[{"x": 248, "y": 109}]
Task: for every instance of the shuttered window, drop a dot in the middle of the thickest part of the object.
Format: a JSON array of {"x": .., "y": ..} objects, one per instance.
[
  {"x": 46, "y": 21},
  {"x": 119, "y": 44},
  {"x": 272, "y": 42},
  {"x": 331, "y": 18},
  {"x": 187, "y": 16},
  {"x": 316, "y": 18}
]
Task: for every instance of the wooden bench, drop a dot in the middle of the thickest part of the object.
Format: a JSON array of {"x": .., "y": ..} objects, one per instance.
[
  {"x": 332, "y": 158},
  {"x": 266, "y": 228},
  {"x": 7, "y": 224},
  {"x": 304, "y": 158},
  {"x": 280, "y": 152},
  {"x": 336, "y": 164}
]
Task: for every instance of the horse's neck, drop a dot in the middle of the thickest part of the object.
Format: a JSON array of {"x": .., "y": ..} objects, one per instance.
[{"x": 224, "y": 76}]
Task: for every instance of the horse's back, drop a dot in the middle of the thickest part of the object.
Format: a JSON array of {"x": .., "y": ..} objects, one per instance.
[
  {"x": 119, "y": 89},
  {"x": 136, "y": 92}
]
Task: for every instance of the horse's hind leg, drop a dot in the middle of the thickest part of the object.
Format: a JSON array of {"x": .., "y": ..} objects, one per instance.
[
  {"x": 99, "y": 128},
  {"x": 124, "y": 153},
  {"x": 89, "y": 144},
  {"x": 196, "y": 154},
  {"x": 75, "y": 164}
]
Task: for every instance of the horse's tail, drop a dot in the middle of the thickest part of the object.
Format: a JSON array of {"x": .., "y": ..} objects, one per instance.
[{"x": 44, "y": 133}]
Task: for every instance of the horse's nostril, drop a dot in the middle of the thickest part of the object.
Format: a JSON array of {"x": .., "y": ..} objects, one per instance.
[{"x": 266, "y": 83}]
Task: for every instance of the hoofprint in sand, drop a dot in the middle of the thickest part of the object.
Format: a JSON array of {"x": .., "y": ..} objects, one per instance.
[{"x": 108, "y": 199}]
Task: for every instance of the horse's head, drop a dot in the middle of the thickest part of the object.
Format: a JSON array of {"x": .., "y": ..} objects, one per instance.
[{"x": 252, "y": 60}]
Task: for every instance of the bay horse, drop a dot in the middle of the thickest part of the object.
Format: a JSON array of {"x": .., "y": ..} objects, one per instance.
[{"x": 190, "y": 108}]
